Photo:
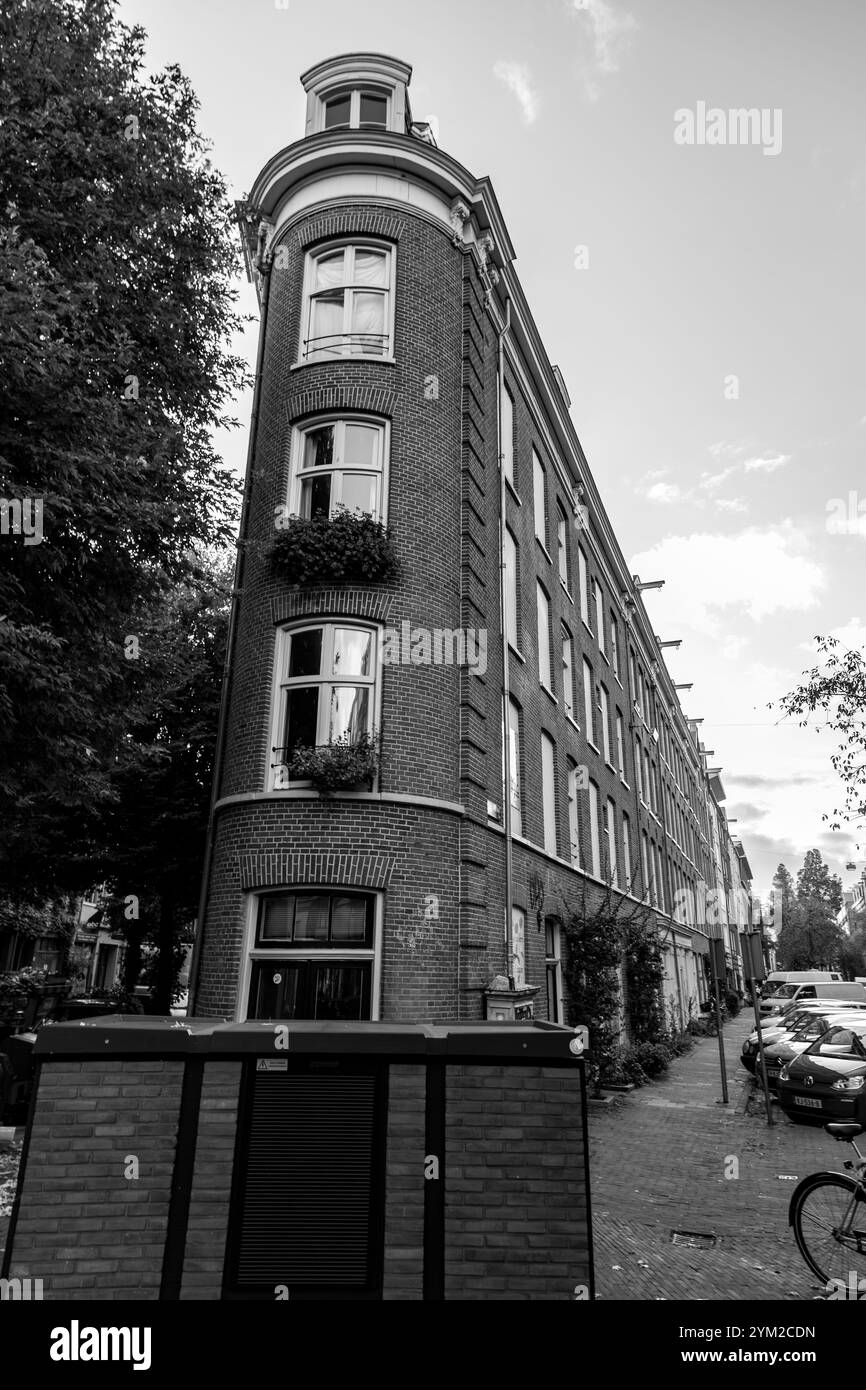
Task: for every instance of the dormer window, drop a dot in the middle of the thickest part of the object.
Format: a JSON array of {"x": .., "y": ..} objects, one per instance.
[
  {"x": 358, "y": 109},
  {"x": 358, "y": 91}
]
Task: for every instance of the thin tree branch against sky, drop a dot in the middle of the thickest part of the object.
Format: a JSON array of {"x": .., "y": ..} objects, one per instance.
[{"x": 709, "y": 331}]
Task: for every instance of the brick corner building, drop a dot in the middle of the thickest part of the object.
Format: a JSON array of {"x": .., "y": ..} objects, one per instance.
[{"x": 364, "y": 861}]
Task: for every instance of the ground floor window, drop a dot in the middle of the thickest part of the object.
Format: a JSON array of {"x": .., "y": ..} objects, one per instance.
[
  {"x": 312, "y": 956},
  {"x": 553, "y": 970}
]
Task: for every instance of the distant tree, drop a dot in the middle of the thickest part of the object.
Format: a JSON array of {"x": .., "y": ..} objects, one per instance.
[
  {"x": 838, "y": 688},
  {"x": 784, "y": 897},
  {"x": 852, "y": 955},
  {"x": 117, "y": 255},
  {"x": 810, "y": 936}
]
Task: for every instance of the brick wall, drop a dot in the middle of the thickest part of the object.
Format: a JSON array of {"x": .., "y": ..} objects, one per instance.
[
  {"x": 404, "y": 1184},
  {"x": 85, "y": 1228},
  {"x": 212, "y": 1181},
  {"x": 516, "y": 1206}
]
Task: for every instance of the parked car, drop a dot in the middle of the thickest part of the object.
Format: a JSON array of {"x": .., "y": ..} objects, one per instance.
[
  {"x": 792, "y": 1044},
  {"x": 783, "y": 1024},
  {"x": 776, "y": 978},
  {"x": 828, "y": 1081},
  {"x": 816, "y": 989}
]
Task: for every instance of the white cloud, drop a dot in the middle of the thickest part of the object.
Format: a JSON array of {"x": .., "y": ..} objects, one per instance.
[
  {"x": 730, "y": 504},
  {"x": 610, "y": 31},
  {"x": 663, "y": 492},
  {"x": 518, "y": 80},
  {"x": 713, "y": 579},
  {"x": 710, "y": 481},
  {"x": 768, "y": 464}
]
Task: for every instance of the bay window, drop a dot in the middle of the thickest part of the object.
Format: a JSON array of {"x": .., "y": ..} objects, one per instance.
[
  {"x": 348, "y": 303},
  {"x": 326, "y": 688},
  {"x": 338, "y": 464},
  {"x": 312, "y": 955}
]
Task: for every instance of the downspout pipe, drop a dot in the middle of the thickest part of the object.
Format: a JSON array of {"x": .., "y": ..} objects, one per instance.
[
  {"x": 506, "y": 692},
  {"x": 195, "y": 963}
]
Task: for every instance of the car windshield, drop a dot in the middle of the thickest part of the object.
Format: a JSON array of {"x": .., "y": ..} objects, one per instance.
[
  {"x": 785, "y": 992},
  {"x": 841, "y": 1042}
]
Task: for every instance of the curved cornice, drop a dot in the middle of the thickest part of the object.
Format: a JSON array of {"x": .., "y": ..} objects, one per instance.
[{"x": 332, "y": 151}]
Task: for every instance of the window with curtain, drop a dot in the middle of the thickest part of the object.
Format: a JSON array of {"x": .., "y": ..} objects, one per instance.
[
  {"x": 587, "y": 701},
  {"x": 506, "y": 425},
  {"x": 539, "y": 498},
  {"x": 573, "y": 818},
  {"x": 514, "y": 768},
  {"x": 610, "y": 842},
  {"x": 348, "y": 303},
  {"x": 326, "y": 687},
  {"x": 338, "y": 464},
  {"x": 568, "y": 672},
  {"x": 548, "y": 792},
  {"x": 313, "y": 955},
  {"x": 545, "y": 672},
  {"x": 512, "y": 581},
  {"x": 594, "y": 839},
  {"x": 626, "y": 853},
  {"x": 562, "y": 544}
]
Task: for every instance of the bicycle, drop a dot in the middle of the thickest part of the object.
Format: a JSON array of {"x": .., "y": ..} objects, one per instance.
[{"x": 828, "y": 1214}]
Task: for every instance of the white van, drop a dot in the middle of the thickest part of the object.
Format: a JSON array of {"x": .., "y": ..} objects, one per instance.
[
  {"x": 812, "y": 989},
  {"x": 797, "y": 977}
]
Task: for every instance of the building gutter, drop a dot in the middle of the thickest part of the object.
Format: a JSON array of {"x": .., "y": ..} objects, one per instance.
[
  {"x": 506, "y": 691},
  {"x": 264, "y": 267}
]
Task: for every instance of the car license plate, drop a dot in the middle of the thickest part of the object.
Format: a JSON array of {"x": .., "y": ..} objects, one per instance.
[{"x": 807, "y": 1101}]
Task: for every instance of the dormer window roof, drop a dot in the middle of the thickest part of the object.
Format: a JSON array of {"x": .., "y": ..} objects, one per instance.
[{"x": 358, "y": 91}]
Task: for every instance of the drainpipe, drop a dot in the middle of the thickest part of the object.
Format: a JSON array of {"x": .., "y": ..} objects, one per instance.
[
  {"x": 195, "y": 962},
  {"x": 506, "y": 705}
]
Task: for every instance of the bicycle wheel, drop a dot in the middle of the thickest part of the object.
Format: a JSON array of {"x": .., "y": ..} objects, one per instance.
[{"x": 821, "y": 1205}]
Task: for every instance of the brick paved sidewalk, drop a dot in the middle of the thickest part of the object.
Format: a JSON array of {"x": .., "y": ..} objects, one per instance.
[{"x": 658, "y": 1162}]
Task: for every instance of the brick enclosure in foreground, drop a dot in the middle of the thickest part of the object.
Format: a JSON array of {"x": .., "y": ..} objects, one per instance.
[{"x": 314, "y": 1160}]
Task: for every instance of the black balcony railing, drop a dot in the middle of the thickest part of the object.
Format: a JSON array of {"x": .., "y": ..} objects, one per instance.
[{"x": 346, "y": 345}]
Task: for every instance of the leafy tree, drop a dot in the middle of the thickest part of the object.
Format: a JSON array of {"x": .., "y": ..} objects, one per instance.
[
  {"x": 816, "y": 884},
  {"x": 810, "y": 936},
  {"x": 852, "y": 955},
  {"x": 116, "y": 259},
  {"x": 146, "y": 843},
  {"x": 838, "y": 689}
]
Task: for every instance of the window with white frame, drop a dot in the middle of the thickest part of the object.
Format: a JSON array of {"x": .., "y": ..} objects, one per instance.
[
  {"x": 604, "y": 717},
  {"x": 348, "y": 302},
  {"x": 514, "y": 765},
  {"x": 638, "y": 764},
  {"x": 506, "y": 426},
  {"x": 614, "y": 646},
  {"x": 573, "y": 818},
  {"x": 644, "y": 858},
  {"x": 567, "y": 672},
  {"x": 325, "y": 688},
  {"x": 553, "y": 971},
  {"x": 312, "y": 955},
  {"x": 626, "y": 852},
  {"x": 548, "y": 792},
  {"x": 562, "y": 544},
  {"x": 610, "y": 843},
  {"x": 355, "y": 108},
  {"x": 542, "y": 604},
  {"x": 587, "y": 701},
  {"x": 599, "y": 615},
  {"x": 620, "y": 745},
  {"x": 594, "y": 840},
  {"x": 539, "y": 499},
  {"x": 582, "y": 584},
  {"x": 512, "y": 581},
  {"x": 338, "y": 464},
  {"x": 518, "y": 947}
]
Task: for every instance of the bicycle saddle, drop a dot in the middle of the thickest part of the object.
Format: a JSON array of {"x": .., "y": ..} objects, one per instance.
[{"x": 844, "y": 1131}]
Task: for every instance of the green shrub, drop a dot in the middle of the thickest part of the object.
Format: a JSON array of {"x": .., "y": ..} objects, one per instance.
[
  {"x": 337, "y": 766},
  {"x": 344, "y": 548}
]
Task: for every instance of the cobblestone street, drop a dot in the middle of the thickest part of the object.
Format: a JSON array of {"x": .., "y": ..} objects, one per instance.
[{"x": 658, "y": 1162}]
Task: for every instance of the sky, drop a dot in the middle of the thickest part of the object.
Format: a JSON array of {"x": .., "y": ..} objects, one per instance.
[{"x": 699, "y": 283}]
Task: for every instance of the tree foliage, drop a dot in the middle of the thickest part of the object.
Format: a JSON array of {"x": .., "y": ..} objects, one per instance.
[
  {"x": 116, "y": 260},
  {"x": 838, "y": 689},
  {"x": 809, "y": 937}
]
